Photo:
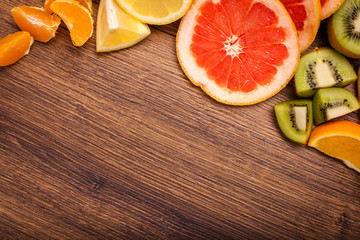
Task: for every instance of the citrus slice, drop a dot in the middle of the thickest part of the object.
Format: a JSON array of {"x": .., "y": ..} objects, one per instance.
[
  {"x": 41, "y": 25},
  {"x": 339, "y": 139},
  {"x": 306, "y": 17},
  {"x": 77, "y": 19},
  {"x": 14, "y": 46},
  {"x": 115, "y": 29},
  {"x": 156, "y": 11},
  {"x": 85, "y": 3},
  {"x": 328, "y": 7},
  {"x": 239, "y": 52}
]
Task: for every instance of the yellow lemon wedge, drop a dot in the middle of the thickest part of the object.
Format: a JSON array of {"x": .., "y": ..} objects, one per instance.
[
  {"x": 115, "y": 29},
  {"x": 157, "y": 12}
]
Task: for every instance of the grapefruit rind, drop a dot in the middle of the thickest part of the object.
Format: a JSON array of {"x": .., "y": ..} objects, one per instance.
[
  {"x": 198, "y": 76},
  {"x": 311, "y": 25},
  {"x": 330, "y": 7}
]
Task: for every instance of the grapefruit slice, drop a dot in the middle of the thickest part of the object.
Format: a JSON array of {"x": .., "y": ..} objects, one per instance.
[
  {"x": 328, "y": 7},
  {"x": 306, "y": 17},
  {"x": 239, "y": 52}
]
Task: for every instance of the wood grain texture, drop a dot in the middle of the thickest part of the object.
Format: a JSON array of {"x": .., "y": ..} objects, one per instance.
[{"x": 122, "y": 146}]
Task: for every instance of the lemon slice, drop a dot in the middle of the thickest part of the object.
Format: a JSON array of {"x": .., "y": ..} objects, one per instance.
[
  {"x": 157, "y": 12},
  {"x": 115, "y": 29}
]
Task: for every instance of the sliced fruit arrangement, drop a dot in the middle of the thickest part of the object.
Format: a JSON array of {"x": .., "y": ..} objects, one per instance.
[
  {"x": 295, "y": 119},
  {"x": 14, "y": 46},
  {"x": 306, "y": 17},
  {"x": 156, "y": 11},
  {"x": 41, "y": 25},
  {"x": 77, "y": 18},
  {"x": 115, "y": 29},
  {"x": 328, "y": 7},
  {"x": 343, "y": 29},
  {"x": 322, "y": 68},
  {"x": 239, "y": 53},
  {"x": 339, "y": 139}
]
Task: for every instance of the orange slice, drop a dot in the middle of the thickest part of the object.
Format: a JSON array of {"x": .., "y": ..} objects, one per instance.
[
  {"x": 306, "y": 17},
  {"x": 14, "y": 46},
  {"x": 77, "y": 19},
  {"x": 339, "y": 139},
  {"x": 85, "y": 3},
  {"x": 41, "y": 25},
  {"x": 328, "y": 7},
  {"x": 239, "y": 52}
]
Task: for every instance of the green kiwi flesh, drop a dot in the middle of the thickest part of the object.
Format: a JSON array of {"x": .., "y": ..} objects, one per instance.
[
  {"x": 344, "y": 29},
  {"x": 330, "y": 103},
  {"x": 295, "y": 119},
  {"x": 322, "y": 68}
]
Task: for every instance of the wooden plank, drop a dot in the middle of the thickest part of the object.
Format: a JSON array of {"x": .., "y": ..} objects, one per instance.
[{"x": 122, "y": 145}]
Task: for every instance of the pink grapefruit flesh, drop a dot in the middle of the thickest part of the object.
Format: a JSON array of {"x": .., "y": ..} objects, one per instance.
[
  {"x": 240, "y": 52},
  {"x": 306, "y": 17}
]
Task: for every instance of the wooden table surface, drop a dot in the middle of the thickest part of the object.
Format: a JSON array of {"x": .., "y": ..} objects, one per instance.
[{"x": 121, "y": 145}]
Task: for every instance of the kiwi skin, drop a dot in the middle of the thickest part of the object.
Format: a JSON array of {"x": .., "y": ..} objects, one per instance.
[
  {"x": 335, "y": 43},
  {"x": 337, "y": 29},
  {"x": 282, "y": 112}
]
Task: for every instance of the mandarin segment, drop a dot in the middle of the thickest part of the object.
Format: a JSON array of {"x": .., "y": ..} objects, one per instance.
[
  {"x": 85, "y": 3},
  {"x": 77, "y": 19},
  {"x": 339, "y": 139},
  {"x": 41, "y": 25},
  {"x": 14, "y": 46}
]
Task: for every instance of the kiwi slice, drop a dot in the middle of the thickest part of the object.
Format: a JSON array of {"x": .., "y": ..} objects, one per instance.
[
  {"x": 344, "y": 30},
  {"x": 330, "y": 103},
  {"x": 322, "y": 68},
  {"x": 295, "y": 119}
]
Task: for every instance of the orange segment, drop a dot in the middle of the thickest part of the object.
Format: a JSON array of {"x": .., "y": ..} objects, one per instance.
[
  {"x": 41, "y": 25},
  {"x": 306, "y": 16},
  {"x": 77, "y": 19},
  {"x": 85, "y": 3},
  {"x": 14, "y": 46},
  {"x": 339, "y": 139},
  {"x": 239, "y": 52}
]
